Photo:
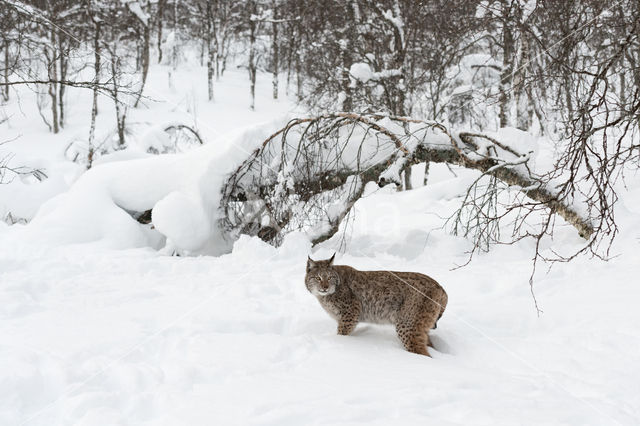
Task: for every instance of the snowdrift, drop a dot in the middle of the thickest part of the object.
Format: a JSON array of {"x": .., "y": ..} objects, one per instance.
[
  {"x": 181, "y": 190},
  {"x": 99, "y": 336}
]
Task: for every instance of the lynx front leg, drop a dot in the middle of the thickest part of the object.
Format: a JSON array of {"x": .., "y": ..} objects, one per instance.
[{"x": 348, "y": 321}]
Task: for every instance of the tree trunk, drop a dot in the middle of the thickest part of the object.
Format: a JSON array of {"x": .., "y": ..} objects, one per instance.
[
  {"x": 217, "y": 46},
  {"x": 523, "y": 109},
  {"x": 407, "y": 178},
  {"x": 210, "y": 71},
  {"x": 219, "y": 50},
  {"x": 120, "y": 114},
  {"x": 92, "y": 130},
  {"x": 623, "y": 89},
  {"x": 145, "y": 63},
  {"x": 567, "y": 96},
  {"x": 64, "y": 63},
  {"x": 506, "y": 75},
  {"x": 210, "y": 28},
  {"x": 289, "y": 62},
  {"x": 346, "y": 48},
  {"x": 425, "y": 178},
  {"x": 224, "y": 52},
  {"x": 5, "y": 94},
  {"x": 94, "y": 106},
  {"x": 252, "y": 56},
  {"x": 96, "y": 64},
  {"x": 174, "y": 49},
  {"x": 159, "y": 16},
  {"x": 347, "y": 97},
  {"x": 274, "y": 49},
  {"x": 52, "y": 71},
  {"x": 399, "y": 64},
  {"x": 299, "y": 89},
  {"x": 53, "y": 93}
]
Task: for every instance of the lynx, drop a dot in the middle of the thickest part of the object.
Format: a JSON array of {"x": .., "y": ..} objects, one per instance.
[{"x": 411, "y": 301}]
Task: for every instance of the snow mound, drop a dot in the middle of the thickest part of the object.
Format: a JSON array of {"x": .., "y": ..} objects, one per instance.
[
  {"x": 182, "y": 218},
  {"x": 181, "y": 190},
  {"x": 155, "y": 138}
]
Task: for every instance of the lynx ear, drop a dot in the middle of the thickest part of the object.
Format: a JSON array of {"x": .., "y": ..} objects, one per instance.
[
  {"x": 332, "y": 257},
  {"x": 310, "y": 263}
]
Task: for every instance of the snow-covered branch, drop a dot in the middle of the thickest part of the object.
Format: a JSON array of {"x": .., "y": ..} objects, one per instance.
[
  {"x": 136, "y": 8},
  {"x": 395, "y": 19}
]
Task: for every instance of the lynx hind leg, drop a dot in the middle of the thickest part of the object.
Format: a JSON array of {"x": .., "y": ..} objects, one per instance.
[
  {"x": 413, "y": 330},
  {"x": 413, "y": 337}
]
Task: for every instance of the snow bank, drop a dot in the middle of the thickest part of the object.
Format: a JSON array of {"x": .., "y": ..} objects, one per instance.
[
  {"x": 94, "y": 336},
  {"x": 183, "y": 219},
  {"x": 181, "y": 190},
  {"x": 22, "y": 195},
  {"x": 155, "y": 138}
]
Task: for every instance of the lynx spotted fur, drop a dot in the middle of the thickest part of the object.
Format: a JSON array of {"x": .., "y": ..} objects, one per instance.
[{"x": 411, "y": 301}]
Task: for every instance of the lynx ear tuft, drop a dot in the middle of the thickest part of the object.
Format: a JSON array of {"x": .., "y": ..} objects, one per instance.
[
  {"x": 332, "y": 257},
  {"x": 310, "y": 263}
]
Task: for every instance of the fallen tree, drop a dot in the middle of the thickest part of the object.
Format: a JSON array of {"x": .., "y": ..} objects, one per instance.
[{"x": 307, "y": 175}]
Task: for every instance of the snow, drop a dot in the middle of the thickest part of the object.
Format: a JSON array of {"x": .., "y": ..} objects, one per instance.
[
  {"x": 527, "y": 9},
  {"x": 387, "y": 74},
  {"x": 168, "y": 47},
  {"x": 519, "y": 141},
  {"x": 183, "y": 220},
  {"x": 219, "y": 123},
  {"x": 132, "y": 336},
  {"x": 155, "y": 138},
  {"x": 101, "y": 325},
  {"x": 361, "y": 72},
  {"x": 182, "y": 190},
  {"x": 395, "y": 19},
  {"x": 136, "y": 9}
]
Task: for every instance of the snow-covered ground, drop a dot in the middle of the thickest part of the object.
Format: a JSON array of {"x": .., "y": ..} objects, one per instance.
[
  {"x": 92, "y": 335},
  {"x": 183, "y": 101}
]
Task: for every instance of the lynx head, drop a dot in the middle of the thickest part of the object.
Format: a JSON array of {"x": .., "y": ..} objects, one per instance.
[{"x": 322, "y": 279}]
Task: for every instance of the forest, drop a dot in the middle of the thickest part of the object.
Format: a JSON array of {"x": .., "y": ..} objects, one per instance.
[
  {"x": 166, "y": 167},
  {"x": 566, "y": 70}
]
